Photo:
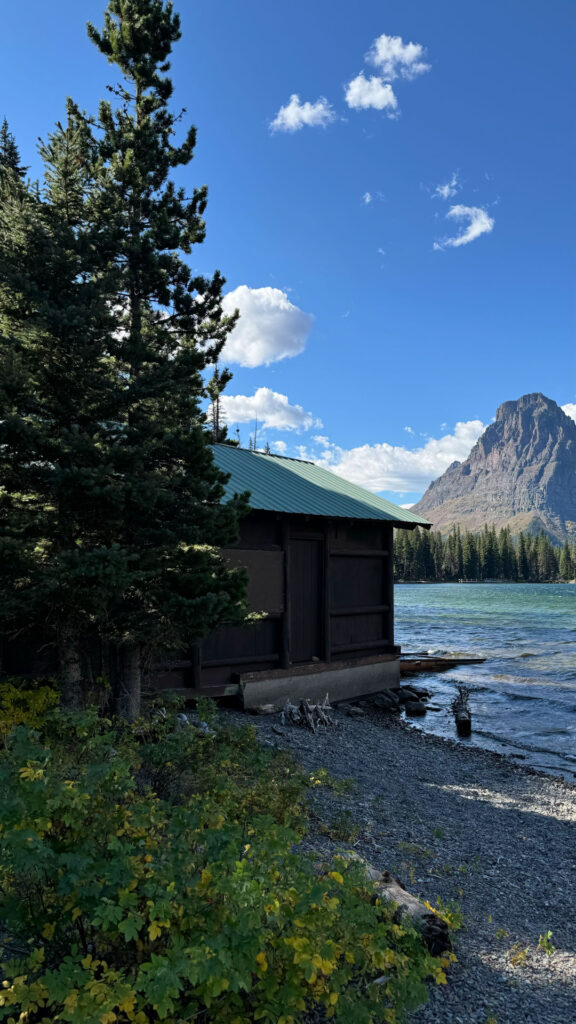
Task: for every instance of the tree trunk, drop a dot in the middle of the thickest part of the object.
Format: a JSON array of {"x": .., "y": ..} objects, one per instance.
[
  {"x": 70, "y": 668},
  {"x": 129, "y": 683}
]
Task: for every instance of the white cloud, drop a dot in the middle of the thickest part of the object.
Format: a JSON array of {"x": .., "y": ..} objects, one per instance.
[
  {"x": 367, "y": 198},
  {"x": 385, "y": 467},
  {"x": 279, "y": 447},
  {"x": 394, "y": 58},
  {"x": 479, "y": 223},
  {"x": 295, "y": 115},
  {"x": 272, "y": 410},
  {"x": 409, "y": 505},
  {"x": 448, "y": 190},
  {"x": 408, "y": 430},
  {"x": 570, "y": 410},
  {"x": 270, "y": 327},
  {"x": 363, "y": 93}
]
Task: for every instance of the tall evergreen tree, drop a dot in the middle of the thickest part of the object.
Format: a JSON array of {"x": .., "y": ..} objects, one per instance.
[
  {"x": 9, "y": 153},
  {"x": 546, "y": 559},
  {"x": 170, "y": 327},
  {"x": 470, "y": 560},
  {"x": 522, "y": 563},
  {"x": 58, "y": 519},
  {"x": 507, "y": 555},
  {"x": 566, "y": 567},
  {"x": 214, "y": 388},
  {"x": 120, "y": 498}
]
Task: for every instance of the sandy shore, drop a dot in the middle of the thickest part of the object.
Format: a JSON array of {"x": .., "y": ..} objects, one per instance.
[{"x": 469, "y": 827}]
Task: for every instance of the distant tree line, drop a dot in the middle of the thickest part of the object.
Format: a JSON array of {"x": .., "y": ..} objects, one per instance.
[{"x": 489, "y": 555}]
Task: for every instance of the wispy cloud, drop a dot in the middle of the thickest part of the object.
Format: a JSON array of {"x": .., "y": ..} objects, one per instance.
[
  {"x": 296, "y": 115},
  {"x": 367, "y": 198},
  {"x": 449, "y": 189},
  {"x": 570, "y": 410},
  {"x": 272, "y": 410},
  {"x": 270, "y": 327},
  {"x": 363, "y": 93},
  {"x": 395, "y": 59},
  {"x": 385, "y": 467},
  {"x": 479, "y": 223}
]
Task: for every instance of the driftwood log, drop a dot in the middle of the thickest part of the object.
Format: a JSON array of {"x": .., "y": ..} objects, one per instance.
[
  {"x": 309, "y": 715},
  {"x": 433, "y": 929},
  {"x": 461, "y": 711}
]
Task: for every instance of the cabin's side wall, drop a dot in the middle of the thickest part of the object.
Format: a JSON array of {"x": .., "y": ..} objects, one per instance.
[{"x": 323, "y": 590}]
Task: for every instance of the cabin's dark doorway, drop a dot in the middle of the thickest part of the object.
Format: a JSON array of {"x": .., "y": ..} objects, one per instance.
[{"x": 306, "y": 576}]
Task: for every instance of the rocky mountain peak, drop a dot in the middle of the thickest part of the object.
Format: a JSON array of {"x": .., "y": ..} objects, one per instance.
[{"x": 520, "y": 473}]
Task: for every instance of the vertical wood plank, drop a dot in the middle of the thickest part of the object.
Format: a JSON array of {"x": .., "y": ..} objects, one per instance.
[{"x": 285, "y": 631}]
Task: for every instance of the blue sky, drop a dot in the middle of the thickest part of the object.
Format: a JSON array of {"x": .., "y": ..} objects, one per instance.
[{"x": 399, "y": 238}]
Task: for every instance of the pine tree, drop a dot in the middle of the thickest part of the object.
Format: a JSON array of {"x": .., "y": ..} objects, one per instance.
[
  {"x": 490, "y": 561},
  {"x": 566, "y": 567},
  {"x": 128, "y": 497},
  {"x": 56, "y": 398},
  {"x": 546, "y": 559},
  {"x": 171, "y": 327},
  {"x": 522, "y": 559},
  {"x": 214, "y": 388},
  {"x": 507, "y": 555},
  {"x": 9, "y": 154},
  {"x": 470, "y": 560}
]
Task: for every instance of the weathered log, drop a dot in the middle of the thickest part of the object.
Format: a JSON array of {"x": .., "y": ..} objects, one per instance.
[
  {"x": 432, "y": 928},
  {"x": 308, "y": 714},
  {"x": 264, "y": 709},
  {"x": 463, "y": 721},
  {"x": 461, "y": 711}
]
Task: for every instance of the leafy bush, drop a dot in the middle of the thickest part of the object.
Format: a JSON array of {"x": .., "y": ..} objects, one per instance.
[
  {"x": 24, "y": 702},
  {"x": 123, "y": 905}
]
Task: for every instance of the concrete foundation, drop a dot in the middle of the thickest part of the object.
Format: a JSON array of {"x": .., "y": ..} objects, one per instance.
[{"x": 343, "y": 680}]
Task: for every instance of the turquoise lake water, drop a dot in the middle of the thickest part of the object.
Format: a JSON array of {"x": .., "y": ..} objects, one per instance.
[{"x": 524, "y": 695}]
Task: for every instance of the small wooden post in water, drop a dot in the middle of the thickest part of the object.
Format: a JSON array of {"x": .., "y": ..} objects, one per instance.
[{"x": 461, "y": 711}]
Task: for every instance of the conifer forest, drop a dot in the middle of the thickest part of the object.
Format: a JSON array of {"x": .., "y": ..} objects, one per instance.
[{"x": 426, "y": 556}]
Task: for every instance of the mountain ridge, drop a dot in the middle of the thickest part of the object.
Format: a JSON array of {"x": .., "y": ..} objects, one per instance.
[{"x": 521, "y": 473}]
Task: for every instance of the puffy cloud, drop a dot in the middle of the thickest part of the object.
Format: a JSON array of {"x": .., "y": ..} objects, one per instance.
[
  {"x": 272, "y": 410},
  {"x": 280, "y": 447},
  {"x": 570, "y": 410},
  {"x": 385, "y": 467},
  {"x": 270, "y": 327},
  {"x": 479, "y": 223},
  {"x": 367, "y": 198},
  {"x": 448, "y": 190},
  {"x": 394, "y": 58},
  {"x": 363, "y": 93},
  {"x": 295, "y": 115}
]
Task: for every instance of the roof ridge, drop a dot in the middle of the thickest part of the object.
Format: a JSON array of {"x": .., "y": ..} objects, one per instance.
[{"x": 267, "y": 455}]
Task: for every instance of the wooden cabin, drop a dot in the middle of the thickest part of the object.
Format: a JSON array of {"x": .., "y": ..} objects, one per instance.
[{"x": 318, "y": 551}]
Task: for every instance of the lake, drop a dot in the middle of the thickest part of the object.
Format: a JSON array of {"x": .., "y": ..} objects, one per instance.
[{"x": 524, "y": 695}]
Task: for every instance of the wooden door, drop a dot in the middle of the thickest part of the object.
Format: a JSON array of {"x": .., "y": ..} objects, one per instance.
[{"x": 306, "y": 576}]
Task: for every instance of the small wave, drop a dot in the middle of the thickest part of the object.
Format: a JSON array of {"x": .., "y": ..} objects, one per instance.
[{"x": 506, "y": 741}]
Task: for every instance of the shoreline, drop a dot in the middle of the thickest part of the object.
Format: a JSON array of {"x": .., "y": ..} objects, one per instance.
[{"x": 464, "y": 825}]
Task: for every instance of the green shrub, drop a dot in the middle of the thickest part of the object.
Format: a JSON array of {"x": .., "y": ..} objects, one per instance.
[
  {"x": 122, "y": 905},
  {"x": 25, "y": 702}
]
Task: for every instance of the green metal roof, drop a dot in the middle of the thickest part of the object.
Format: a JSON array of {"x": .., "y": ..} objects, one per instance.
[{"x": 280, "y": 484}]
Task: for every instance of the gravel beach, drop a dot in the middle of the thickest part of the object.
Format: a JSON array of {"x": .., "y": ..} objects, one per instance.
[{"x": 465, "y": 826}]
